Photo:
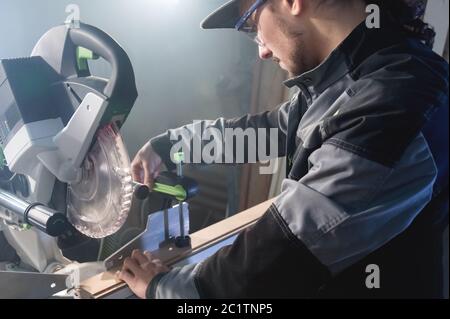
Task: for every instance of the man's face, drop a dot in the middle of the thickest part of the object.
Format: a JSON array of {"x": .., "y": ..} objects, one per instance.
[{"x": 283, "y": 37}]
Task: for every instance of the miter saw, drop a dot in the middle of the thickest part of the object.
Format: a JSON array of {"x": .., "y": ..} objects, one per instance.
[
  {"x": 65, "y": 171},
  {"x": 65, "y": 182}
]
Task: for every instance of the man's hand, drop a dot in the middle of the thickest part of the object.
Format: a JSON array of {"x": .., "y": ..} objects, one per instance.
[
  {"x": 139, "y": 270},
  {"x": 146, "y": 165}
]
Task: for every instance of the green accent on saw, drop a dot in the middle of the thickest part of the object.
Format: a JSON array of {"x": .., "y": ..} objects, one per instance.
[
  {"x": 25, "y": 227},
  {"x": 83, "y": 55},
  {"x": 176, "y": 191},
  {"x": 178, "y": 157}
]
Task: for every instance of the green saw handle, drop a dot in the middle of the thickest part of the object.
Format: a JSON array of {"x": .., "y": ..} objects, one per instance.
[
  {"x": 176, "y": 191},
  {"x": 180, "y": 188}
]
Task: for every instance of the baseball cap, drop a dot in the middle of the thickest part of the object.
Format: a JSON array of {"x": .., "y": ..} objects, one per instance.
[{"x": 225, "y": 17}]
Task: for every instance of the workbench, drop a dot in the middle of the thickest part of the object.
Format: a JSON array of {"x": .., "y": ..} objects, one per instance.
[{"x": 204, "y": 243}]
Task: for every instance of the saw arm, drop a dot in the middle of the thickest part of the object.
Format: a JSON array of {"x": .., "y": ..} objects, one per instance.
[{"x": 68, "y": 121}]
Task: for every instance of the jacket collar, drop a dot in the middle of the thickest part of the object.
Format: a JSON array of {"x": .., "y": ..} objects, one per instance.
[{"x": 360, "y": 44}]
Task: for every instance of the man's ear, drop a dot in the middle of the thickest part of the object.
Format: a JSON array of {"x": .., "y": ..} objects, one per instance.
[{"x": 295, "y": 6}]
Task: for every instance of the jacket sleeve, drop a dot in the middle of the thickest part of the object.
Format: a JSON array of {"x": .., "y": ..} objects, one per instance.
[
  {"x": 343, "y": 209},
  {"x": 227, "y": 141}
]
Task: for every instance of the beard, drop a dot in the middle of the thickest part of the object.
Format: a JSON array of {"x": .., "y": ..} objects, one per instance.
[{"x": 298, "y": 61}]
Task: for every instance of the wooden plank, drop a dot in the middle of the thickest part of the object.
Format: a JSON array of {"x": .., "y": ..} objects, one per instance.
[{"x": 106, "y": 283}]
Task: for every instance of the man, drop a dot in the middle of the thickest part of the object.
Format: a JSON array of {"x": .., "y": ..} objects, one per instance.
[{"x": 366, "y": 141}]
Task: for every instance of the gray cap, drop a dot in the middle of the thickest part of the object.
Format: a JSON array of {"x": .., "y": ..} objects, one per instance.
[{"x": 224, "y": 17}]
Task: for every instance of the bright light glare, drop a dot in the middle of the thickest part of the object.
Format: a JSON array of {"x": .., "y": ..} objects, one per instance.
[{"x": 171, "y": 2}]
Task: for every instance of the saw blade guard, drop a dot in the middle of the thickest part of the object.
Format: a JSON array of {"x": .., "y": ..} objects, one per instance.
[{"x": 99, "y": 203}]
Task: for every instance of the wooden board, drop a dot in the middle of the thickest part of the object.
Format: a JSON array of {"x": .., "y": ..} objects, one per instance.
[{"x": 106, "y": 283}]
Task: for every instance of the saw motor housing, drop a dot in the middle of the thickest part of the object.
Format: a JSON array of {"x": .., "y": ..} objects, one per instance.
[{"x": 51, "y": 112}]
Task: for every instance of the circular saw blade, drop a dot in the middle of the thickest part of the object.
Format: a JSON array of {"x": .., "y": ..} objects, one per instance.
[{"x": 98, "y": 205}]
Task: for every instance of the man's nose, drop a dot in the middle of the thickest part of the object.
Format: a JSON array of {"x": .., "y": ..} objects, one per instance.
[{"x": 265, "y": 53}]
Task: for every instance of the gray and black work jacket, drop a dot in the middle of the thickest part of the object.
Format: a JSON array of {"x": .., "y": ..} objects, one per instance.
[{"x": 366, "y": 142}]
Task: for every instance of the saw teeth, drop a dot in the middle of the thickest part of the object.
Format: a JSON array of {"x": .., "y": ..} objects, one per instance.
[
  {"x": 111, "y": 213},
  {"x": 123, "y": 173},
  {"x": 126, "y": 203},
  {"x": 127, "y": 189},
  {"x": 127, "y": 179},
  {"x": 128, "y": 197}
]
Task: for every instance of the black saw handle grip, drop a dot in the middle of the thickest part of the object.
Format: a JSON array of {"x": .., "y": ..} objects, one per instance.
[{"x": 122, "y": 79}]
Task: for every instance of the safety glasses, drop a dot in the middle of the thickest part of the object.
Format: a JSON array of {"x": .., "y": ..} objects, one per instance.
[{"x": 250, "y": 29}]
